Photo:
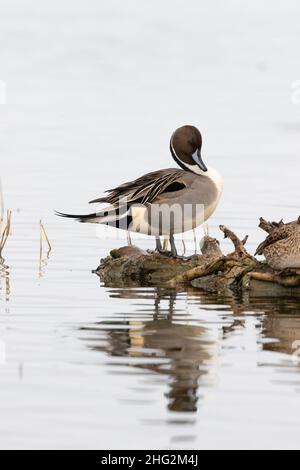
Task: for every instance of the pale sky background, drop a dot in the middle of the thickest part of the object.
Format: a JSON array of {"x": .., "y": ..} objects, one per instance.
[{"x": 95, "y": 89}]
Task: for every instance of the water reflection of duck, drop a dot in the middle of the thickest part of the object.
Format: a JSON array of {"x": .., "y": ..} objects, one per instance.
[
  {"x": 184, "y": 352},
  {"x": 280, "y": 317},
  {"x": 181, "y": 351},
  {"x": 283, "y": 325}
]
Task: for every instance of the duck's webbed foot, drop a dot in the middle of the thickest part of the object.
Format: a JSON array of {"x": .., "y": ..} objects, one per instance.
[
  {"x": 183, "y": 257},
  {"x": 160, "y": 249},
  {"x": 167, "y": 253},
  {"x": 170, "y": 254}
]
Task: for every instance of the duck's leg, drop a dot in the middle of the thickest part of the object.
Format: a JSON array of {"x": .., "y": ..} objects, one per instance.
[
  {"x": 129, "y": 242},
  {"x": 173, "y": 252},
  {"x": 158, "y": 244},
  {"x": 162, "y": 249},
  {"x": 195, "y": 240},
  {"x": 173, "y": 246},
  {"x": 206, "y": 229},
  {"x": 184, "y": 246}
]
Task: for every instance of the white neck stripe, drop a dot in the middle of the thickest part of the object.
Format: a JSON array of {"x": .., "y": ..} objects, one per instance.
[
  {"x": 210, "y": 173},
  {"x": 193, "y": 168}
]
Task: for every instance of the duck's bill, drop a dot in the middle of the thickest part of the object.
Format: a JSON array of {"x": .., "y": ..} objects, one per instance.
[{"x": 198, "y": 160}]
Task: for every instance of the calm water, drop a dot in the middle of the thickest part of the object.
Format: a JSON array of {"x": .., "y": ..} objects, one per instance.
[{"x": 93, "y": 95}]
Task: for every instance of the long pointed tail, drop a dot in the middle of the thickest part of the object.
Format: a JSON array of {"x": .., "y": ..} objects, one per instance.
[
  {"x": 118, "y": 217},
  {"x": 81, "y": 218}
]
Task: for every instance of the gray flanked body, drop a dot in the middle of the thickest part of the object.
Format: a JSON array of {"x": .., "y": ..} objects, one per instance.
[
  {"x": 177, "y": 211},
  {"x": 166, "y": 201}
]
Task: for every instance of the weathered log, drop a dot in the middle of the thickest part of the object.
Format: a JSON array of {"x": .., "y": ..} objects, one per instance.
[
  {"x": 211, "y": 271},
  {"x": 135, "y": 267},
  {"x": 286, "y": 280},
  {"x": 239, "y": 245}
]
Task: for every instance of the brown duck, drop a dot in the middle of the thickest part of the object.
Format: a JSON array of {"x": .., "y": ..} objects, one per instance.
[{"x": 282, "y": 247}]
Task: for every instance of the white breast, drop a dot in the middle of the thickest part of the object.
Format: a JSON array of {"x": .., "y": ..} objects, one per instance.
[{"x": 215, "y": 176}]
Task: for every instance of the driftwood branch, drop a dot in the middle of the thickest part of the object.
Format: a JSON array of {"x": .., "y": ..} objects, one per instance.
[
  {"x": 196, "y": 272},
  {"x": 288, "y": 280},
  {"x": 239, "y": 245},
  {"x": 211, "y": 271},
  {"x": 226, "y": 267}
]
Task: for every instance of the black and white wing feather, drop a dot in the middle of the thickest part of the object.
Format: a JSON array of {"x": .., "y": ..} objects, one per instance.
[{"x": 143, "y": 190}]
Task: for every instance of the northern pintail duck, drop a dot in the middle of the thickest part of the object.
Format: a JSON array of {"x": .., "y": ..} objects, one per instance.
[
  {"x": 282, "y": 247},
  {"x": 167, "y": 201}
]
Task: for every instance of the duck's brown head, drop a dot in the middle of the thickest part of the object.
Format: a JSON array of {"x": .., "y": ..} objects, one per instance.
[{"x": 185, "y": 146}]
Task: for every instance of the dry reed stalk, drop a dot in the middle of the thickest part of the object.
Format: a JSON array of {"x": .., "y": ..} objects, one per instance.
[
  {"x": 43, "y": 262},
  {"x": 6, "y": 231},
  {"x": 43, "y": 233}
]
